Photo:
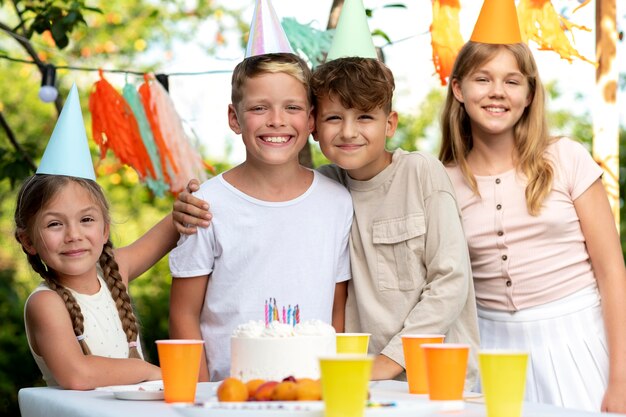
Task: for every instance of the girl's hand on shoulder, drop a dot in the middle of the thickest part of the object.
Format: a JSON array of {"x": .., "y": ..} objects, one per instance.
[{"x": 190, "y": 212}]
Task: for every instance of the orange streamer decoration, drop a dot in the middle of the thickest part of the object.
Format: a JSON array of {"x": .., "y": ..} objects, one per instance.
[
  {"x": 182, "y": 161},
  {"x": 168, "y": 163},
  {"x": 540, "y": 23},
  {"x": 446, "y": 36},
  {"x": 114, "y": 127}
]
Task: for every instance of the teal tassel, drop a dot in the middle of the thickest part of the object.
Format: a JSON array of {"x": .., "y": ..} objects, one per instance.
[
  {"x": 306, "y": 39},
  {"x": 157, "y": 185}
]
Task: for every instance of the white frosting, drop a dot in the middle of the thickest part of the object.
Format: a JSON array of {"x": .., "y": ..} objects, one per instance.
[{"x": 280, "y": 350}]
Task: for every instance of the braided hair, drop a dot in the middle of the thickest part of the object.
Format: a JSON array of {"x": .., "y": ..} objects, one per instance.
[{"x": 36, "y": 192}]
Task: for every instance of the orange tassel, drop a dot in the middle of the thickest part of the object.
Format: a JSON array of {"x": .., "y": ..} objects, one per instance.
[
  {"x": 114, "y": 127},
  {"x": 170, "y": 137},
  {"x": 540, "y": 23},
  {"x": 167, "y": 160},
  {"x": 446, "y": 36}
]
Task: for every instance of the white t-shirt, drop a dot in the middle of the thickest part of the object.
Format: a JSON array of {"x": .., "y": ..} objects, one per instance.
[{"x": 294, "y": 251}]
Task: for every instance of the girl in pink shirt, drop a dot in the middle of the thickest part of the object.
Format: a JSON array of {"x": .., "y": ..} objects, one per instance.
[{"x": 543, "y": 242}]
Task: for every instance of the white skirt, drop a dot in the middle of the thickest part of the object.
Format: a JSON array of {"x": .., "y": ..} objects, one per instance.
[{"x": 568, "y": 363}]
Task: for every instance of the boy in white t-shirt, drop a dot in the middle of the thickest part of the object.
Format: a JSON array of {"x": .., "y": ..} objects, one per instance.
[{"x": 280, "y": 230}]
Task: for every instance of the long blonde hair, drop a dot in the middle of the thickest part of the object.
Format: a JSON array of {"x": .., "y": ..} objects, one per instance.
[
  {"x": 36, "y": 192},
  {"x": 530, "y": 132}
]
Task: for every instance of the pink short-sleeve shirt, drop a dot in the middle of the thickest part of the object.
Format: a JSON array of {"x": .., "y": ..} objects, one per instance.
[{"x": 518, "y": 260}]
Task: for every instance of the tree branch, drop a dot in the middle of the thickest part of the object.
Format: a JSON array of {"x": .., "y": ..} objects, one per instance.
[
  {"x": 15, "y": 144},
  {"x": 30, "y": 50}
]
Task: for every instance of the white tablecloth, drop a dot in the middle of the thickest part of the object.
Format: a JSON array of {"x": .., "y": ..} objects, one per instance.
[{"x": 52, "y": 402}]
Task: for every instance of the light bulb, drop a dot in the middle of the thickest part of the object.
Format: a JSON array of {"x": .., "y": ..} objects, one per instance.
[{"x": 48, "y": 93}]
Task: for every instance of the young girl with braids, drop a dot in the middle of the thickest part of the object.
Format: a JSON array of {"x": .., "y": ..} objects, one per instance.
[{"x": 80, "y": 323}]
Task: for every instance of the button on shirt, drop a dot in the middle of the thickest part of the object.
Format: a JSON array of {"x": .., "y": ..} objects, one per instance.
[{"x": 519, "y": 260}]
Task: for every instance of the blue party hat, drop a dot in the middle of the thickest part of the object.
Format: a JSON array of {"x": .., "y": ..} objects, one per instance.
[
  {"x": 352, "y": 35},
  {"x": 67, "y": 152},
  {"x": 266, "y": 33}
]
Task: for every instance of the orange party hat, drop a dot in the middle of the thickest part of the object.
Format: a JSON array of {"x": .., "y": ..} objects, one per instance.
[{"x": 497, "y": 23}]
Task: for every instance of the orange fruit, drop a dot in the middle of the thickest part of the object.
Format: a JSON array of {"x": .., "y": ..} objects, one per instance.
[
  {"x": 308, "y": 390},
  {"x": 252, "y": 386},
  {"x": 284, "y": 391},
  {"x": 231, "y": 390},
  {"x": 264, "y": 391}
]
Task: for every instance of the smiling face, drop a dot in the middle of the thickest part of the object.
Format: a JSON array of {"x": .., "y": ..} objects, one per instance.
[
  {"x": 69, "y": 233},
  {"x": 273, "y": 117},
  {"x": 495, "y": 95},
  {"x": 354, "y": 139}
]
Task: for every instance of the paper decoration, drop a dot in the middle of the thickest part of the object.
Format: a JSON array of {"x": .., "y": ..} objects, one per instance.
[
  {"x": 446, "y": 36},
  {"x": 540, "y": 23},
  {"x": 156, "y": 183},
  {"x": 67, "y": 152},
  {"x": 180, "y": 161},
  {"x": 307, "y": 40},
  {"x": 114, "y": 127},
  {"x": 144, "y": 131}
]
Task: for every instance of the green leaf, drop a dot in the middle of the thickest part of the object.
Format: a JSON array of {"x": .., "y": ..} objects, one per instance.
[{"x": 382, "y": 34}]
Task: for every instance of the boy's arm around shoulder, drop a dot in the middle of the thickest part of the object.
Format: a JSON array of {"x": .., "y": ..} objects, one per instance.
[{"x": 52, "y": 337}]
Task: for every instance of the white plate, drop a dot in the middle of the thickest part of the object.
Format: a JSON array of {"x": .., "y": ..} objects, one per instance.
[
  {"x": 146, "y": 391},
  {"x": 300, "y": 409}
]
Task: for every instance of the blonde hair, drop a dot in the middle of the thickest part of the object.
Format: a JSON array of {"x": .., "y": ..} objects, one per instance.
[
  {"x": 36, "y": 192},
  {"x": 530, "y": 132},
  {"x": 254, "y": 66}
]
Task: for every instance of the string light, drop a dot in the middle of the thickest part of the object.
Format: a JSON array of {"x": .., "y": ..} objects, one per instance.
[{"x": 48, "y": 92}]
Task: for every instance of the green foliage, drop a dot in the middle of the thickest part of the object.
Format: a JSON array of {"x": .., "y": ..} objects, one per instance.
[
  {"x": 420, "y": 131},
  {"x": 58, "y": 17}
]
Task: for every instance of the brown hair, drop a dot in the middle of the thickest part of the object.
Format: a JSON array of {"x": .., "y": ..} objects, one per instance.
[
  {"x": 531, "y": 131},
  {"x": 359, "y": 83},
  {"x": 253, "y": 66},
  {"x": 36, "y": 192}
]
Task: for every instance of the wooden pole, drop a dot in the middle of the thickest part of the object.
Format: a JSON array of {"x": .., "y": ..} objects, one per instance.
[{"x": 606, "y": 115}]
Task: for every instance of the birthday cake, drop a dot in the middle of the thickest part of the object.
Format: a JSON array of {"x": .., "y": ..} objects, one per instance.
[{"x": 276, "y": 350}]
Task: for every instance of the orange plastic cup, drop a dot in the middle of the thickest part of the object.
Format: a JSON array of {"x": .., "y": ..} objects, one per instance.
[
  {"x": 180, "y": 365},
  {"x": 446, "y": 364},
  {"x": 415, "y": 361}
]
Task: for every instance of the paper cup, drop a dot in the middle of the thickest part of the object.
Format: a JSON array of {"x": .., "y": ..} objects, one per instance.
[
  {"x": 503, "y": 378},
  {"x": 345, "y": 382},
  {"x": 353, "y": 342},
  {"x": 446, "y": 364},
  {"x": 180, "y": 365},
  {"x": 415, "y": 361}
]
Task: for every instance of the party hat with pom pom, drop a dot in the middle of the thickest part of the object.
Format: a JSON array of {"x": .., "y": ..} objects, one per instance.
[
  {"x": 352, "y": 35},
  {"x": 67, "y": 152},
  {"x": 266, "y": 33},
  {"x": 497, "y": 23}
]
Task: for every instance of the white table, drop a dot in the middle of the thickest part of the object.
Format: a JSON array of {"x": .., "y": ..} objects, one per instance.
[{"x": 52, "y": 402}]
